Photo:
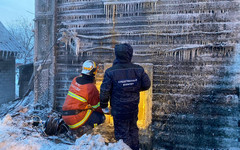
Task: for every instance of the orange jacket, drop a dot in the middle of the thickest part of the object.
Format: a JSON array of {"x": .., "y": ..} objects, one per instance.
[{"x": 81, "y": 97}]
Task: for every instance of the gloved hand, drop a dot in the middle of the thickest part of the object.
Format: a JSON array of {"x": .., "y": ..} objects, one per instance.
[{"x": 106, "y": 110}]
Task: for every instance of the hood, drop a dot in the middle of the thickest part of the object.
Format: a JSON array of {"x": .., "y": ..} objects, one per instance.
[{"x": 123, "y": 53}]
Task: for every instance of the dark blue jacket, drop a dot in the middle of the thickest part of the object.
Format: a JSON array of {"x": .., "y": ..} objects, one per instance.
[{"x": 122, "y": 83}]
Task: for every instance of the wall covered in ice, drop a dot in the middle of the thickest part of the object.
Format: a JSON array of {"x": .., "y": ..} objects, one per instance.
[
  {"x": 191, "y": 43},
  {"x": 44, "y": 50}
]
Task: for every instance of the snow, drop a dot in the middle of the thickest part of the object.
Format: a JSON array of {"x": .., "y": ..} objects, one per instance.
[{"x": 17, "y": 132}]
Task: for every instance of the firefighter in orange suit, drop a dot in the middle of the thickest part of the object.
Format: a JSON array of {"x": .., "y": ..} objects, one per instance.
[{"x": 82, "y": 104}]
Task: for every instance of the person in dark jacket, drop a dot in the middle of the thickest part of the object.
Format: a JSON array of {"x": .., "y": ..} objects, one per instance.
[{"x": 121, "y": 85}]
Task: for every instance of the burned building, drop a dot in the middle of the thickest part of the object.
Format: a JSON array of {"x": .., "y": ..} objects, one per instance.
[
  {"x": 9, "y": 48},
  {"x": 190, "y": 49}
]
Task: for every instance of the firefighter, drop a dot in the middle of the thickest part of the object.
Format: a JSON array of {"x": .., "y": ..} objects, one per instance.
[
  {"x": 82, "y": 105},
  {"x": 122, "y": 84}
]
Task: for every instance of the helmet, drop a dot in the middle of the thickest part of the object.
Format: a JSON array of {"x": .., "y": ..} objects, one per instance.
[{"x": 89, "y": 67}]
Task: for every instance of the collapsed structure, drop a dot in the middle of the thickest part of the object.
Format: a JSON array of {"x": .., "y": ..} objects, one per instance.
[{"x": 189, "y": 47}]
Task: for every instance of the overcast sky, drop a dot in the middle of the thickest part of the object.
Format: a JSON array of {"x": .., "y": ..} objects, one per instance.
[{"x": 11, "y": 10}]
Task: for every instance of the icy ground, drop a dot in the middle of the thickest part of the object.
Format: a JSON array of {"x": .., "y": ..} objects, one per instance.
[{"x": 17, "y": 132}]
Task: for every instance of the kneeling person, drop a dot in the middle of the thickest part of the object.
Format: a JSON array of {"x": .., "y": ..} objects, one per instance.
[{"x": 81, "y": 108}]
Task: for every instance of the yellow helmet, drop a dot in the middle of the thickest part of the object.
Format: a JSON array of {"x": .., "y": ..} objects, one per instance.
[{"x": 89, "y": 67}]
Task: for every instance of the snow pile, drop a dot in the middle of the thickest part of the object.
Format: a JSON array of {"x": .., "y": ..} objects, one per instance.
[
  {"x": 17, "y": 132},
  {"x": 97, "y": 143}
]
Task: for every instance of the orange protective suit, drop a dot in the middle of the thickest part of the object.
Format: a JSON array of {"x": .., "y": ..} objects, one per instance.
[{"x": 81, "y": 97}]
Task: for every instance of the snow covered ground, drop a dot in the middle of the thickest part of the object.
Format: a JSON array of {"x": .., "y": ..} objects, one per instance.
[{"x": 17, "y": 132}]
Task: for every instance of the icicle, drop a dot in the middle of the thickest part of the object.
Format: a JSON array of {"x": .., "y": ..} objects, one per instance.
[
  {"x": 125, "y": 8},
  {"x": 76, "y": 46},
  {"x": 152, "y": 6},
  {"x": 113, "y": 14},
  {"x": 193, "y": 53},
  {"x": 133, "y": 7},
  {"x": 7, "y": 55},
  {"x": 180, "y": 55},
  {"x": 189, "y": 53},
  {"x": 106, "y": 11},
  {"x": 138, "y": 10},
  {"x": 110, "y": 11},
  {"x": 116, "y": 10},
  {"x": 184, "y": 55},
  {"x": 155, "y": 6}
]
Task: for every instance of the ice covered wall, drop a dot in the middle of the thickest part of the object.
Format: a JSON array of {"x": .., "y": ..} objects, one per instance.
[
  {"x": 44, "y": 50},
  {"x": 196, "y": 100},
  {"x": 191, "y": 43}
]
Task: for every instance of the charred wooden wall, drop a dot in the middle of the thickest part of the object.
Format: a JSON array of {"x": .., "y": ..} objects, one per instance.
[{"x": 191, "y": 43}]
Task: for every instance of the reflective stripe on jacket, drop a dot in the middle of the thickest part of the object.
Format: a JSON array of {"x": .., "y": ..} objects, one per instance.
[{"x": 79, "y": 98}]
